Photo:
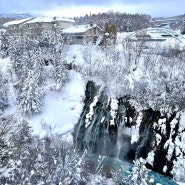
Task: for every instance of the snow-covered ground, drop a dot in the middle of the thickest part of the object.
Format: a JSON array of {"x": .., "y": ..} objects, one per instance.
[
  {"x": 181, "y": 183},
  {"x": 61, "y": 109}
]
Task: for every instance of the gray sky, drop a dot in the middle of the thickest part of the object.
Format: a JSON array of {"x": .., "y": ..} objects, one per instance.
[{"x": 71, "y": 8}]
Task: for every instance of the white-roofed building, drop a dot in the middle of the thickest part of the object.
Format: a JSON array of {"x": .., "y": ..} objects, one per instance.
[
  {"x": 16, "y": 27},
  {"x": 34, "y": 27},
  {"x": 81, "y": 34}
]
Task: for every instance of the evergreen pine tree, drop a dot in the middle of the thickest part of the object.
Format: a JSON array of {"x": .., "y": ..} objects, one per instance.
[
  {"x": 61, "y": 75},
  {"x": 3, "y": 92},
  {"x": 15, "y": 146},
  {"x": 55, "y": 45},
  {"x": 31, "y": 98},
  {"x": 4, "y": 44},
  {"x": 38, "y": 65}
]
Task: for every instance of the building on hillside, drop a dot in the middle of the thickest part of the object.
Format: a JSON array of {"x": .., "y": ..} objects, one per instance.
[
  {"x": 83, "y": 34},
  {"x": 155, "y": 36},
  {"x": 16, "y": 27},
  {"x": 171, "y": 23},
  {"x": 34, "y": 27}
]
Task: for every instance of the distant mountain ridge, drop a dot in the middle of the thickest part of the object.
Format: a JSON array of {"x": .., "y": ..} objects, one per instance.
[{"x": 16, "y": 15}]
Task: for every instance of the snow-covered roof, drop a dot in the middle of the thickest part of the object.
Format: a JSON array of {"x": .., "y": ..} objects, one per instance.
[
  {"x": 16, "y": 22},
  {"x": 48, "y": 20},
  {"x": 79, "y": 28},
  {"x": 2, "y": 30}
]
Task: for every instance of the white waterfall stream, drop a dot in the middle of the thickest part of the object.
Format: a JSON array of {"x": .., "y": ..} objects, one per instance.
[
  {"x": 119, "y": 138},
  {"x": 103, "y": 131}
]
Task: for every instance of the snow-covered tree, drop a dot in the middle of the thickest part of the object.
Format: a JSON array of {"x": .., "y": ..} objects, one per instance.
[
  {"x": 3, "y": 92},
  {"x": 139, "y": 173},
  {"x": 54, "y": 48},
  {"x": 25, "y": 159},
  {"x": 183, "y": 28},
  {"x": 36, "y": 58},
  {"x": 4, "y": 44},
  {"x": 71, "y": 171},
  {"x": 16, "y": 139},
  {"x": 22, "y": 52},
  {"x": 30, "y": 99},
  {"x": 61, "y": 74},
  {"x": 132, "y": 52},
  {"x": 20, "y": 153}
]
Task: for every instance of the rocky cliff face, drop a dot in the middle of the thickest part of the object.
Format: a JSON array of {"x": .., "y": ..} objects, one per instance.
[{"x": 112, "y": 127}]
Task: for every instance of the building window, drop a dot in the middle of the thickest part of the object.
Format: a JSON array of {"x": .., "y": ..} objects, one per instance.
[
  {"x": 79, "y": 37},
  {"x": 94, "y": 31}
]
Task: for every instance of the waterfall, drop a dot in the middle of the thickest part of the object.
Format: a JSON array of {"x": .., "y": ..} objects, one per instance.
[
  {"x": 103, "y": 130},
  {"x": 119, "y": 138},
  {"x": 101, "y": 126},
  {"x": 144, "y": 144},
  {"x": 112, "y": 127},
  {"x": 121, "y": 126},
  {"x": 91, "y": 131}
]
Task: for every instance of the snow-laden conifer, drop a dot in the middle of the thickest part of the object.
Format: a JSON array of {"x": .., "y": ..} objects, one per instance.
[{"x": 31, "y": 97}]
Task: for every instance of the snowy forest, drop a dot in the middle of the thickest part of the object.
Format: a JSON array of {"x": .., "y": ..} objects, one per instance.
[{"x": 121, "y": 106}]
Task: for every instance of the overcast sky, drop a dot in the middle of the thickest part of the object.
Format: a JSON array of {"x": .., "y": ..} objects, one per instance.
[{"x": 71, "y": 8}]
